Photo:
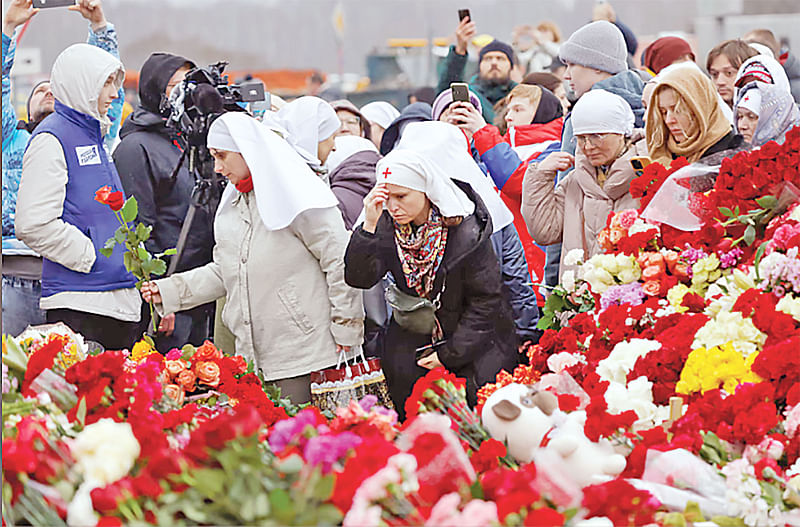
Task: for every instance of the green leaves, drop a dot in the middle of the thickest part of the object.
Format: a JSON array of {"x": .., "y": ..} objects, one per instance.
[{"x": 130, "y": 210}]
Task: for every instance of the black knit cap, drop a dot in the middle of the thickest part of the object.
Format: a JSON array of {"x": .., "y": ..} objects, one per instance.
[{"x": 496, "y": 45}]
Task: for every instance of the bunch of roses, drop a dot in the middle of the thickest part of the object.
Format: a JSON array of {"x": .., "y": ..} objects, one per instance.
[
  {"x": 645, "y": 186},
  {"x": 206, "y": 368},
  {"x": 627, "y": 233}
]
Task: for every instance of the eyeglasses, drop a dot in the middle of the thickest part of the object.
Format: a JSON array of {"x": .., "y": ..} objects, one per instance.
[{"x": 592, "y": 139}]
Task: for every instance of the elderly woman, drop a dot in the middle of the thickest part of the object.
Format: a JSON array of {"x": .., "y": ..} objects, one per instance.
[
  {"x": 764, "y": 107},
  {"x": 280, "y": 241},
  {"x": 432, "y": 234},
  {"x": 685, "y": 119},
  {"x": 575, "y": 211}
]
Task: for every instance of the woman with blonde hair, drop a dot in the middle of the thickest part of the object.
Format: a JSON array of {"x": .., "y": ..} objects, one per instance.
[{"x": 685, "y": 119}]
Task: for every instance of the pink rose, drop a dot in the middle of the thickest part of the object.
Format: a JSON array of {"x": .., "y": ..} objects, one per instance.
[
  {"x": 652, "y": 287},
  {"x": 207, "y": 373},
  {"x": 174, "y": 367}
]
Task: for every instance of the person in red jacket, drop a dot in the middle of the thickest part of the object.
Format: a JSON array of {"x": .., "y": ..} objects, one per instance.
[{"x": 534, "y": 118}]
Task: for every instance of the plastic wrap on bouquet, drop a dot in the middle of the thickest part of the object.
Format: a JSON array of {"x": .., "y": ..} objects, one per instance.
[
  {"x": 674, "y": 202},
  {"x": 336, "y": 387},
  {"x": 677, "y": 477}
]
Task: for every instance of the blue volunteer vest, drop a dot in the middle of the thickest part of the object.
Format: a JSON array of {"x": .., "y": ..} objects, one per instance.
[{"x": 88, "y": 169}]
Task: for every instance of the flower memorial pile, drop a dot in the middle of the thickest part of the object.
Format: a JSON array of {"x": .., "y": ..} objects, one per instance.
[{"x": 665, "y": 388}]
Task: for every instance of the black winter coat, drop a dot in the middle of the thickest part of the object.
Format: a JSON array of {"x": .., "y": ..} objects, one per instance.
[
  {"x": 145, "y": 159},
  {"x": 474, "y": 314}
]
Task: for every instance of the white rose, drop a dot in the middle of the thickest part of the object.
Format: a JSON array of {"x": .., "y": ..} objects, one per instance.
[
  {"x": 574, "y": 257},
  {"x": 105, "y": 451}
]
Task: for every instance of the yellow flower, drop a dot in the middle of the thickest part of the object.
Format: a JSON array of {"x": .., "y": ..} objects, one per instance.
[
  {"x": 675, "y": 297},
  {"x": 141, "y": 350},
  {"x": 707, "y": 369}
]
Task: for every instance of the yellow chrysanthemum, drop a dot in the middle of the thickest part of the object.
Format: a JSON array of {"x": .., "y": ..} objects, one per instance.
[
  {"x": 141, "y": 350},
  {"x": 707, "y": 369}
]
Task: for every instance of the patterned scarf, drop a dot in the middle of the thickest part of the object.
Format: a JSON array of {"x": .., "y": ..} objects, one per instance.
[{"x": 420, "y": 251}]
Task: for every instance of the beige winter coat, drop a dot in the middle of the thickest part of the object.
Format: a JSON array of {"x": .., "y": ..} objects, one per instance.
[
  {"x": 575, "y": 211},
  {"x": 286, "y": 300}
]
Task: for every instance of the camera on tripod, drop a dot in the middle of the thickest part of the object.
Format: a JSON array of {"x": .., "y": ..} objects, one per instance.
[{"x": 190, "y": 109}]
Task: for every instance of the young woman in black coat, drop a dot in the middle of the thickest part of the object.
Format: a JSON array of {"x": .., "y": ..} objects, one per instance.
[{"x": 433, "y": 238}]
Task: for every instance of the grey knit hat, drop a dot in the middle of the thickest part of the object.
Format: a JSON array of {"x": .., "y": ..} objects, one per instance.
[{"x": 599, "y": 45}]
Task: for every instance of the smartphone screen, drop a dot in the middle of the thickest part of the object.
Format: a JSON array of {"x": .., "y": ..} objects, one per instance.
[
  {"x": 460, "y": 91},
  {"x": 464, "y": 13},
  {"x": 42, "y": 4}
]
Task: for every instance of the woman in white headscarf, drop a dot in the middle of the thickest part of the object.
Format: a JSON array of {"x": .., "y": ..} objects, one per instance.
[
  {"x": 575, "y": 211},
  {"x": 432, "y": 234},
  {"x": 763, "y": 105},
  {"x": 280, "y": 242},
  {"x": 380, "y": 115},
  {"x": 312, "y": 124}
]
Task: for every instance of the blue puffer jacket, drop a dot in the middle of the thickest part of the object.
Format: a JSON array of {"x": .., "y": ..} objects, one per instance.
[{"x": 15, "y": 140}]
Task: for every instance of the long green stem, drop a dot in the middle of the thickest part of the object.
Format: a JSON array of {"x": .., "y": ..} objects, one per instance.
[{"x": 145, "y": 276}]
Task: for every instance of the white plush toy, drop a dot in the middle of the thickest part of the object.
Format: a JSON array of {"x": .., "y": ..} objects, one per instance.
[{"x": 521, "y": 416}]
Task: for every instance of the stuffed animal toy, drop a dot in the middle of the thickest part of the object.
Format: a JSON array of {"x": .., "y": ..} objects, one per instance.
[{"x": 524, "y": 418}]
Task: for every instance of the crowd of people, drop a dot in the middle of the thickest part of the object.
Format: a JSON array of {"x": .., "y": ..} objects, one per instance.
[{"x": 427, "y": 236}]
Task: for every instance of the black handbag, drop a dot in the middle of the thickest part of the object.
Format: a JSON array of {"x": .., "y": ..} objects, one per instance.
[{"x": 412, "y": 312}]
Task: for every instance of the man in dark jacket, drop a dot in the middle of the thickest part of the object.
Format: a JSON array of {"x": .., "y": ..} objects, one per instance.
[
  {"x": 146, "y": 158},
  {"x": 495, "y": 60}
]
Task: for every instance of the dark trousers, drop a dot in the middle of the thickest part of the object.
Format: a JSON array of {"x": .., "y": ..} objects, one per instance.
[{"x": 111, "y": 333}]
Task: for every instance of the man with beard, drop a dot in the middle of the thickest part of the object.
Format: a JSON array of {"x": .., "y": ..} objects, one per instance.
[{"x": 495, "y": 61}]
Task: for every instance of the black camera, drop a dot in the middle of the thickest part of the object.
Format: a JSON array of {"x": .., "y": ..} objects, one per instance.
[{"x": 202, "y": 96}]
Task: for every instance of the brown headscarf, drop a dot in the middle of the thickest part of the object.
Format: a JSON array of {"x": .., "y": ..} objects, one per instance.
[{"x": 697, "y": 94}]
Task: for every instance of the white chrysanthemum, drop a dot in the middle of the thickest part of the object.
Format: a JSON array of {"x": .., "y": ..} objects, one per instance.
[
  {"x": 730, "y": 326},
  {"x": 790, "y": 305},
  {"x": 105, "y": 451}
]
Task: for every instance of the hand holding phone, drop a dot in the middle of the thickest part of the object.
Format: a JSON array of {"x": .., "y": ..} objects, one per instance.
[
  {"x": 465, "y": 31},
  {"x": 639, "y": 163},
  {"x": 462, "y": 14}
]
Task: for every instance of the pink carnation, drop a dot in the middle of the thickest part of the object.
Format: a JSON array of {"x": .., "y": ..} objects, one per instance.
[
  {"x": 626, "y": 218},
  {"x": 174, "y": 354}
]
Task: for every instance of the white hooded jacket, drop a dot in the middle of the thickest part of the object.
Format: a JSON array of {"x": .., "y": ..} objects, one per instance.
[{"x": 77, "y": 78}]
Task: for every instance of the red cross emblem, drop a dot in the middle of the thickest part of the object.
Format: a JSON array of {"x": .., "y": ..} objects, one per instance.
[{"x": 386, "y": 173}]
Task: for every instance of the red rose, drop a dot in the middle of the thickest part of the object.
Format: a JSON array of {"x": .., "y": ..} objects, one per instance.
[
  {"x": 206, "y": 352},
  {"x": 115, "y": 200}
]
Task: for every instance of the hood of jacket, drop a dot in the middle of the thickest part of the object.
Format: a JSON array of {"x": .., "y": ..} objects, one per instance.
[
  {"x": 356, "y": 172},
  {"x": 628, "y": 85},
  {"x": 154, "y": 77},
  {"x": 531, "y": 134},
  {"x": 418, "y": 111},
  {"x": 142, "y": 120},
  {"x": 79, "y": 74}
]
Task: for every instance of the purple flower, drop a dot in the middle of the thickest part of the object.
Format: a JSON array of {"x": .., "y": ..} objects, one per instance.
[
  {"x": 691, "y": 255},
  {"x": 730, "y": 258},
  {"x": 325, "y": 450},
  {"x": 285, "y": 431},
  {"x": 631, "y": 293},
  {"x": 367, "y": 402}
]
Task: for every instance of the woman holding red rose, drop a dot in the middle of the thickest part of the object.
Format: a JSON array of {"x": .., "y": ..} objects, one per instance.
[{"x": 61, "y": 214}]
